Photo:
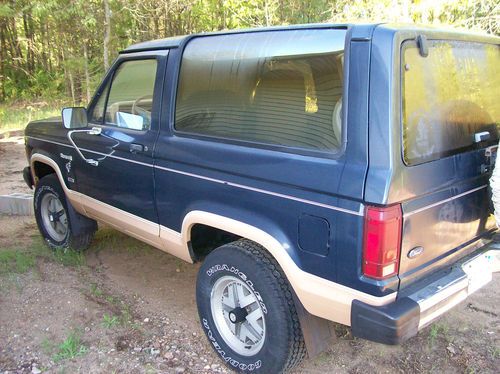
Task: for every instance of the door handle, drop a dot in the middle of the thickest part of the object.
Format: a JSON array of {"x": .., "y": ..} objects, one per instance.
[{"x": 137, "y": 148}]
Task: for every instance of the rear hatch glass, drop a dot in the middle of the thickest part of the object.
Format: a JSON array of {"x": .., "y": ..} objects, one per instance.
[
  {"x": 450, "y": 115},
  {"x": 448, "y": 97}
]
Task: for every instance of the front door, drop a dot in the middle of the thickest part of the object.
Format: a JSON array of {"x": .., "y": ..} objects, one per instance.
[{"x": 118, "y": 186}]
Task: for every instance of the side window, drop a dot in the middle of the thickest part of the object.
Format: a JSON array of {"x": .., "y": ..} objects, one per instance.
[
  {"x": 130, "y": 99},
  {"x": 279, "y": 88}
]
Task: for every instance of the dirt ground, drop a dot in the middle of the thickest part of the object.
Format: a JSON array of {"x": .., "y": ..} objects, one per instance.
[
  {"x": 124, "y": 307},
  {"x": 12, "y": 162}
]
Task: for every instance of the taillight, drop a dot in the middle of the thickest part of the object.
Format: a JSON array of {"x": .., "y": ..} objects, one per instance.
[{"x": 382, "y": 241}]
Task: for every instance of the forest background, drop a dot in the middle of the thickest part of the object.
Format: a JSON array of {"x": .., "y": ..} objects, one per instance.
[{"x": 54, "y": 53}]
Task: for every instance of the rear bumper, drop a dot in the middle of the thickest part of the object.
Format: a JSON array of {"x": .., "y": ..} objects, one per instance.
[{"x": 400, "y": 320}]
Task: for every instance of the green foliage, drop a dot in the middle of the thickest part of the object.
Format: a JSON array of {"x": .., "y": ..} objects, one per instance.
[
  {"x": 17, "y": 116},
  {"x": 21, "y": 259},
  {"x": 122, "y": 314},
  {"x": 70, "y": 348},
  {"x": 110, "y": 321},
  {"x": 15, "y": 261},
  {"x": 437, "y": 330},
  {"x": 68, "y": 257},
  {"x": 55, "y": 48},
  {"x": 95, "y": 290}
]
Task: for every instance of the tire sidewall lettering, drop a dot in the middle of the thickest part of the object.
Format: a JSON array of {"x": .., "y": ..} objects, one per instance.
[
  {"x": 231, "y": 360},
  {"x": 234, "y": 270}
]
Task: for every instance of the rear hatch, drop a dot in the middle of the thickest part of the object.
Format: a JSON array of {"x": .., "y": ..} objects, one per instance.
[{"x": 450, "y": 114}]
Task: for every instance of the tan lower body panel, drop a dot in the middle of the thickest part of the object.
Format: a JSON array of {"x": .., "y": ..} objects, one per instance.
[
  {"x": 319, "y": 296},
  {"x": 149, "y": 232}
]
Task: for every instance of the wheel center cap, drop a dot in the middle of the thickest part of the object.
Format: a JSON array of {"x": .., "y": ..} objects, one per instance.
[{"x": 238, "y": 315}]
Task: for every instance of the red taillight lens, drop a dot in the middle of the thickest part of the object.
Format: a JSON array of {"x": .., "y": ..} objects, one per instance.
[{"x": 382, "y": 241}]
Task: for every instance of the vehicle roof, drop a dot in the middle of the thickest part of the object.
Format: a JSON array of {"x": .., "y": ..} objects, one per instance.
[
  {"x": 175, "y": 41},
  {"x": 365, "y": 31}
]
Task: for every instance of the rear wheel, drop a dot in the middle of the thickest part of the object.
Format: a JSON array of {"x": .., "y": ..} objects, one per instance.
[
  {"x": 247, "y": 310},
  {"x": 53, "y": 218}
]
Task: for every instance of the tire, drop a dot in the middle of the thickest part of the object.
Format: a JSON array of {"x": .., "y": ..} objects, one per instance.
[
  {"x": 56, "y": 219},
  {"x": 247, "y": 269}
]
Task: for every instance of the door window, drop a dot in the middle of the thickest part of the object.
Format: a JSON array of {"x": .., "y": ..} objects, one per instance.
[{"x": 130, "y": 99}]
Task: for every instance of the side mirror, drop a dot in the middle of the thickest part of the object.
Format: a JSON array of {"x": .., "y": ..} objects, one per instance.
[{"x": 74, "y": 117}]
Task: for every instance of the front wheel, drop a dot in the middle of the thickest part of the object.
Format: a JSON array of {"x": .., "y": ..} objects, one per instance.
[
  {"x": 54, "y": 219},
  {"x": 247, "y": 310}
]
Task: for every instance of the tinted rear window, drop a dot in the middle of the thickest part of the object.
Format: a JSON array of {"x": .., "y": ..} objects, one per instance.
[
  {"x": 278, "y": 88},
  {"x": 449, "y": 96}
]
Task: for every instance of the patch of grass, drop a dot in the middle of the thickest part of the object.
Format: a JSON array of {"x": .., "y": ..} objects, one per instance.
[
  {"x": 20, "y": 260},
  {"x": 121, "y": 312},
  {"x": 13, "y": 117},
  {"x": 95, "y": 290},
  {"x": 495, "y": 353},
  {"x": 126, "y": 316},
  {"x": 16, "y": 261},
  {"x": 70, "y": 348},
  {"x": 110, "y": 321},
  {"x": 69, "y": 257},
  {"x": 437, "y": 330}
]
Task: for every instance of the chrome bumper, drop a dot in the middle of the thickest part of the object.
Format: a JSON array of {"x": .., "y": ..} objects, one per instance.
[{"x": 465, "y": 278}]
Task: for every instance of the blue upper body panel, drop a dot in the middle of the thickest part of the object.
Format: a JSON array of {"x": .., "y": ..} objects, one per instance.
[{"x": 288, "y": 195}]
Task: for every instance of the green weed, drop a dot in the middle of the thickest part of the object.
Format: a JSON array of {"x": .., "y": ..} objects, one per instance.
[
  {"x": 69, "y": 257},
  {"x": 123, "y": 317},
  {"x": 70, "y": 348},
  {"x": 110, "y": 321},
  {"x": 495, "y": 353},
  {"x": 126, "y": 316},
  {"x": 437, "y": 330},
  {"x": 95, "y": 290}
]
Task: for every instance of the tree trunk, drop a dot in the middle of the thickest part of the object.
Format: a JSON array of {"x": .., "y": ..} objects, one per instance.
[
  {"x": 87, "y": 75},
  {"x": 3, "y": 58},
  {"x": 29, "y": 49},
  {"x": 69, "y": 75},
  {"x": 49, "y": 48},
  {"x": 107, "y": 33}
]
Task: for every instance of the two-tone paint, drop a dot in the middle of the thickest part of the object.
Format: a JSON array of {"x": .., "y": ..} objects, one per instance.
[{"x": 272, "y": 195}]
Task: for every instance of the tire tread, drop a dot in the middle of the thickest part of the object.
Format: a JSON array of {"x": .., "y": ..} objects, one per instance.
[{"x": 297, "y": 348}]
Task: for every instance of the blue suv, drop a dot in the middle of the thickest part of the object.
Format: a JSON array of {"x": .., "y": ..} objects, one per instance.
[{"x": 319, "y": 172}]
